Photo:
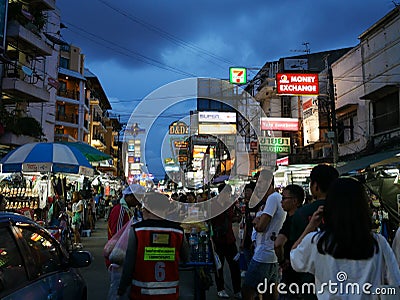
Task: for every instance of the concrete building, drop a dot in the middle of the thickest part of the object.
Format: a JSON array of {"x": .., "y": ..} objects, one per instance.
[
  {"x": 72, "y": 104},
  {"x": 367, "y": 82},
  {"x": 29, "y": 62}
]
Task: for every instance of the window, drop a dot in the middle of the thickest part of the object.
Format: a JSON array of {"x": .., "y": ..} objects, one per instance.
[
  {"x": 65, "y": 48},
  {"x": 386, "y": 113},
  {"x": 63, "y": 86},
  {"x": 345, "y": 128},
  {"x": 64, "y": 62},
  {"x": 45, "y": 253},
  {"x": 60, "y": 110},
  {"x": 286, "y": 106},
  {"x": 12, "y": 267},
  {"x": 59, "y": 130}
]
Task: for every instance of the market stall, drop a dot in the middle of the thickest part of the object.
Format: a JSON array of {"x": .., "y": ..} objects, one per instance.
[{"x": 38, "y": 178}]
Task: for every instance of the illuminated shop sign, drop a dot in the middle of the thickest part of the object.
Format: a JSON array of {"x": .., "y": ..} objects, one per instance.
[
  {"x": 217, "y": 117},
  {"x": 178, "y": 128},
  {"x": 297, "y": 84},
  {"x": 217, "y": 129},
  {"x": 284, "y": 161},
  {"x": 285, "y": 124},
  {"x": 237, "y": 75},
  {"x": 275, "y": 144}
]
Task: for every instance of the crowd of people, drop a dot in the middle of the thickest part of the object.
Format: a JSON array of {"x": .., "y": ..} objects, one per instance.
[{"x": 286, "y": 247}]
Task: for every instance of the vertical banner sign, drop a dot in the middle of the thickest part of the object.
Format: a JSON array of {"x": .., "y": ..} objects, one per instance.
[
  {"x": 237, "y": 75},
  {"x": 3, "y": 22},
  {"x": 310, "y": 120}
]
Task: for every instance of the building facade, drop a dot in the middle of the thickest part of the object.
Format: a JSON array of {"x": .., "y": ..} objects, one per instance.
[{"x": 28, "y": 70}]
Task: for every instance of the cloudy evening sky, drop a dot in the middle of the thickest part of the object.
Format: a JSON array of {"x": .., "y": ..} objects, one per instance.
[{"x": 135, "y": 47}]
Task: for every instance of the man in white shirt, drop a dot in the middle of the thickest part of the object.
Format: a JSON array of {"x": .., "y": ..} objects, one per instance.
[
  {"x": 396, "y": 245},
  {"x": 263, "y": 267}
]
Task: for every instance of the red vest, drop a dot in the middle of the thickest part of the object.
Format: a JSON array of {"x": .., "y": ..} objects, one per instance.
[{"x": 156, "y": 273}]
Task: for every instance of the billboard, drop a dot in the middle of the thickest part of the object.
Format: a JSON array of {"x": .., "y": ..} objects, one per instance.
[
  {"x": 295, "y": 64},
  {"x": 284, "y": 124},
  {"x": 297, "y": 84},
  {"x": 310, "y": 121}
]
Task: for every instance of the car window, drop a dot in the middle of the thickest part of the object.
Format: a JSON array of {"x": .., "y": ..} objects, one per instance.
[
  {"x": 44, "y": 250},
  {"x": 12, "y": 269}
]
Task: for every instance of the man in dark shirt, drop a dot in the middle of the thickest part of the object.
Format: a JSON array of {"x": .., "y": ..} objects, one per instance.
[
  {"x": 292, "y": 199},
  {"x": 321, "y": 178},
  {"x": 225, "y": 241}
]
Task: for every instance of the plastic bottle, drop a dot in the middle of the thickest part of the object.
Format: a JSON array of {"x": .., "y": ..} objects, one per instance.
[
  {"x": 194, "y": 245},
  {"x": 241, "y": 228},
  {"x": 204, "y": 247}
]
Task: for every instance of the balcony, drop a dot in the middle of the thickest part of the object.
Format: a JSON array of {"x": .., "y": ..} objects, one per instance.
[
  {"x": 24, "y": 83},
  {"x": 98, "y": 141},
  {"x": 98, "y": 121},
  {"x": 63, "y": 137},
  {"x": 70, "y": 118},
  {"x": 28, "y": 42},
  {"x": 10, "y": 138},
  {"x": 70, "y": 94}
]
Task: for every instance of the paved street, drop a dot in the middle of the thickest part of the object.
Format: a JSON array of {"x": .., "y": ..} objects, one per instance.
[{"x": 97, "y": 277}]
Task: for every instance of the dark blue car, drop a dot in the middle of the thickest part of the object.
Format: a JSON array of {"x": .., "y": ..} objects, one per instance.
[{"x": 33, "y": 265}]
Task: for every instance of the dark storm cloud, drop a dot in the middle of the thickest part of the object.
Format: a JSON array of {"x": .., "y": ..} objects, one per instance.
[
  {"x": 142, "y": 34},
  {"x": 135, "y": 47}
]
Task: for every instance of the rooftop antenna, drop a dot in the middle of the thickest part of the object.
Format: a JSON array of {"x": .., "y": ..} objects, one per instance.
[
  {"x": 396, "y": 4},
  {"x": 306, "y": 50}
]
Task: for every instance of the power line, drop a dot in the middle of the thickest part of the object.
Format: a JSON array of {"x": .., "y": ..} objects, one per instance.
[
  {"x": 167, "y": 35},
  {"x": 119, "y": 49}
]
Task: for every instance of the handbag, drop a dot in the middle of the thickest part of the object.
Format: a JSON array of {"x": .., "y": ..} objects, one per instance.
[
  {"x": 217, "y": 261},
  {"x": 117, "y": 255},
  {"x": 109, "y": 246}
]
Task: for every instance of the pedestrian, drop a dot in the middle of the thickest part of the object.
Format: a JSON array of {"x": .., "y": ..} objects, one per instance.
[
  {"x": 77, "y": 211},
  {"x": 263, "y": 266},
  {"x": 127, "y": 208},
  {"x": 54, "y": 212},
  {"x": 107, "y": 209},
  {"x": 346, "y": 251},
  {"x": 2, "y": 203},
  {"x": 155, "y": 248},
  {"x": 292, "y": 199},
  {"x": 321, "y": 178},
  {"x": 225, "y": 241},
  {"x": 247, "y": 246},
  {"x": 396, "y": 245}
]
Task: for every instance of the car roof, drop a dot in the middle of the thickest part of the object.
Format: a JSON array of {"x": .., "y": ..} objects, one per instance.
[{"x": 14, "y": 217}]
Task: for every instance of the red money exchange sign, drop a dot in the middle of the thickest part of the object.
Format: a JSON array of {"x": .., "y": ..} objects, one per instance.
[{"x": 297, "y": 84}]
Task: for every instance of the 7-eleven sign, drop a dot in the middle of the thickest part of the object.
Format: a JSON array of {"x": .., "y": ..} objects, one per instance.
[{"x": 237, "y": 75}]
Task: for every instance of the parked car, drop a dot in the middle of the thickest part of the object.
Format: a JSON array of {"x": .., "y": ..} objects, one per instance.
[{"x": 34, "y": 265}]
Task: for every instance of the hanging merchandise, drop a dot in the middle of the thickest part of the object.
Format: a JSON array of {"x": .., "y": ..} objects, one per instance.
[{"x": 43, "y": 194}]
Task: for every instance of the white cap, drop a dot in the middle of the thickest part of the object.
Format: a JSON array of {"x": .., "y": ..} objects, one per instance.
[{"x": 134, "y": 189}]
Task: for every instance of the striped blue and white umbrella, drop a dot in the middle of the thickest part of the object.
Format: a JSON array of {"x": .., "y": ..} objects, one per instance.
[{"x": 46, "y": 157}]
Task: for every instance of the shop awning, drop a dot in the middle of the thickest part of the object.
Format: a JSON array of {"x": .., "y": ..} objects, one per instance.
[{"x": 373, "y": 160}]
